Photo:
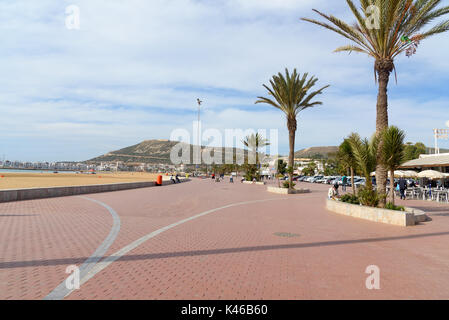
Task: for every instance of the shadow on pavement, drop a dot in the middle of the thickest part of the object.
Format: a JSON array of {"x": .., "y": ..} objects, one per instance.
[{"x": 69, "y": 261}]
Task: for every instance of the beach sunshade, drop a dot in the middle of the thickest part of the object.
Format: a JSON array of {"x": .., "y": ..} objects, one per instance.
[
  {"x": 410, "y": 174},
  {"x": 431, "y": 174},
  {"x": 397, "y": 173}
]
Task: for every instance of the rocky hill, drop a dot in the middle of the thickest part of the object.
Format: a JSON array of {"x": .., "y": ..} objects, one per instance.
[
  {"x": 316, "y": 152},
  {"x": 149, "y": 151}
]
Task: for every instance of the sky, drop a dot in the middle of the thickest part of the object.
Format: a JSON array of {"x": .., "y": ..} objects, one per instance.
[{"x": 134, "y": 69}]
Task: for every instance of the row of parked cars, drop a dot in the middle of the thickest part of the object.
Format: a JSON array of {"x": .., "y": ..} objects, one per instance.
[{"x": 358, "y": 181}]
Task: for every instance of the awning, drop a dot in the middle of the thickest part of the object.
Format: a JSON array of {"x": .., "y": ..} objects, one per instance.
[{"x": 428, "y": 161}]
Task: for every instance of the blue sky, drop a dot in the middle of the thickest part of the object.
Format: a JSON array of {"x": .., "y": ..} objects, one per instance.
[{"x": 135, "y": 68}]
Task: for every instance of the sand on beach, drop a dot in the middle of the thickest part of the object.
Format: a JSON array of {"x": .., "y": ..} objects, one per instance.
[{"x": 39, "y": 180}]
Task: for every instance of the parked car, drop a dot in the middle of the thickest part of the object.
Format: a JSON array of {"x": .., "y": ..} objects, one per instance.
[
  {"x": 316, "y": 178},
  {"x": 360, "y": 182},
  {"x": 328, "y": 180},
  {"x": 322, "y": 180}
]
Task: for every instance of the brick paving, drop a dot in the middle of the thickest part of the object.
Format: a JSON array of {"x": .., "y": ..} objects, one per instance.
[
  {"x": 234, "y": 253},
  {"x": 40, "y": 238}
]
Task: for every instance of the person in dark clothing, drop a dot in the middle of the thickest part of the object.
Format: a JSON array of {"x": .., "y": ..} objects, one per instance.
[
  {"x": 336, "y": 187},
  {"x": 412, "y": 184},
  {"x": 177, "y": 178},
  {"x": 402, "y": 188}
]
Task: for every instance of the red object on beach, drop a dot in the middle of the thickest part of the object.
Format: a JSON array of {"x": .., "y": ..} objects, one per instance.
[{"x": 159, "y": 180}]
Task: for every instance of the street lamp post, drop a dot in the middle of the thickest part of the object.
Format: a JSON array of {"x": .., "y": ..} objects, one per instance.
[{"x": 199, "y": 134}]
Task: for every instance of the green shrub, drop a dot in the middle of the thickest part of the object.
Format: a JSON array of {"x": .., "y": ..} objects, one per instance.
[
  {"x": 350, "y": 198},
  {"x": 391, "y": 206},
  {"x": 368, "y": 197},
  {"x": 286, "y": 184}
]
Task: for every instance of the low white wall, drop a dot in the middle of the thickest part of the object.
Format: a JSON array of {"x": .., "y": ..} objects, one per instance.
[
  {"x": 286, "y": 190},
  {"x": 40, "y": 193},
  {"x": 399, "y": 218},
  {"x": 259, "y": 183}
]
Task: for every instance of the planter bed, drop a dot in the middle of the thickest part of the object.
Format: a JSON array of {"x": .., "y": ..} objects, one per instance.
[
  {"x": 406, "y": 218},
  {"x": 261, "y": 183},
  {"x": 286, "y": 190}
]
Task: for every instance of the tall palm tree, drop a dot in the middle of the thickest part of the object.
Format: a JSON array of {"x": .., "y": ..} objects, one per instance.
[
  {"x": 290, "y": 94},
  {"x": 347, "y": 159},
  {"x": 392, "y": 153},
  {"x": 365, "y": 154},
  {"x": 383, "y": 30}
]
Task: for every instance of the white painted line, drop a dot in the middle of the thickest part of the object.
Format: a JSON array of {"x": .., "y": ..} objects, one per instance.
[
  {"x": 61, "y": 290},
  {"x": 117, "y": 255}
]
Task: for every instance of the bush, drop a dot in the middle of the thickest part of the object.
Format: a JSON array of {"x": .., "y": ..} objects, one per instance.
[
  {"x": 391, "y": 206},
  {"x": 286, "y": 184},
  {"x": 349, "y": 198},
  {"x": 251, "y": 176},
  {"x": 368, "y": 197}
]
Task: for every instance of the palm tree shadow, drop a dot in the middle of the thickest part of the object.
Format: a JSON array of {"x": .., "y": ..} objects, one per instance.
[
  {"x": 193, "y": 253},
  {"x": 17, "y": 215}
]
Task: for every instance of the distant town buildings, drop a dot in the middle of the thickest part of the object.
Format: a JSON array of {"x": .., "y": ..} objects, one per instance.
[{"x": 84, "y": 166}]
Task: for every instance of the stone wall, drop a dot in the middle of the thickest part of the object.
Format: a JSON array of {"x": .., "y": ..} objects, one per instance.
[
  {"x": 398, "y": 218},
  {"x": 286, "y": 190},
  {"x": 40, "y": 193}
]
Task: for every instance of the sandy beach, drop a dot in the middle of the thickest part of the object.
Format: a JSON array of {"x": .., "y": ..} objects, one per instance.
[{"x": 36, "y": 180}]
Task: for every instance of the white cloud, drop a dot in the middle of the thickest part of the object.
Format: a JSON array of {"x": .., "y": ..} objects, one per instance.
[{"x": 134, "y": 70}]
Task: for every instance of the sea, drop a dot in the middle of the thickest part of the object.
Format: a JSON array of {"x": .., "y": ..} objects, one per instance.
[{"x": 32, "y": 171}]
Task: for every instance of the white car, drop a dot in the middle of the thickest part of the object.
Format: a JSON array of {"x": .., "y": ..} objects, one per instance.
[
  {"x": 316, "y": 178},
  {"x": 322, "y": 180}
]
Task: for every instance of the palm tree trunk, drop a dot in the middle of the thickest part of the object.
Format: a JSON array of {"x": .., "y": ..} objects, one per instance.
[
  {"x": 383, "y": 68},
  {"x": 352, "y": 180},
  {"x": 391, "y": 198},
  {"x": 291, "y": 124}
]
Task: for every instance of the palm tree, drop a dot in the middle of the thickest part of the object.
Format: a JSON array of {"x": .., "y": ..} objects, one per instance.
[
  {"x": 347, "y": 159},
  {"x": 290, "y": 94},
  {"x": 392, "y": 153},
  {"x": 365, "y": 154},
  {"x": 254, "y": 142},
  {"x": 383, "y": 32}
]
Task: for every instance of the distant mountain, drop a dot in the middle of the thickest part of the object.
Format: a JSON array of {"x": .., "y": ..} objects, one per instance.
[
  {"x": 158, "y": 152},
  {"x": 150, "y": 151},
  {"x": 316, "y": 152}
]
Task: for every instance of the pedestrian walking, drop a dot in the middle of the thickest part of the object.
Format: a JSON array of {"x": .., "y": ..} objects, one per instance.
[
  {"x": 402, "y": 187},
  {"x": 344, "y": 181}
]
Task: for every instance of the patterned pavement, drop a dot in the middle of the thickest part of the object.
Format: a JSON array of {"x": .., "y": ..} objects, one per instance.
[{"x": 269, "y": 247}]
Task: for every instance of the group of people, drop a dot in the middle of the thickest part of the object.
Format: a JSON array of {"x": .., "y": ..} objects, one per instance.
[
  {"x": 333, "y": 191},
  {"x": 221, "y": 177},
  {"x": 175, "y": 179},
  {"x": 401, "y": 186}
]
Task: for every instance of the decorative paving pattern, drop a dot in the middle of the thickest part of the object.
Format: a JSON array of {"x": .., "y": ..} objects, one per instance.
[{"x": 280, "y": 249}]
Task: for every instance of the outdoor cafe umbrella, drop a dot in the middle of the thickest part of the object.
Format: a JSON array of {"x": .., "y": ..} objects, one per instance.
[
  {"x": 431, "y": 174},
  {"x": 397, "y": 173},
  {"x": 410, "y": 174}
]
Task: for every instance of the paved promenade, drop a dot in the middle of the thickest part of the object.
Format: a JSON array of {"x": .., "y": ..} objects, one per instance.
[{"x": 207, "y": 240}]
